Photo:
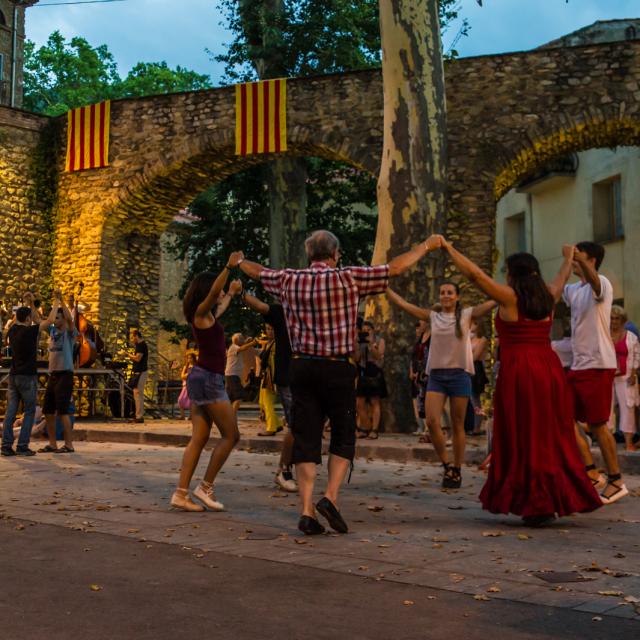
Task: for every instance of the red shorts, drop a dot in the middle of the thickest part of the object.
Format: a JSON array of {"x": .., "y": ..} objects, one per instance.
[{"x": 592, "y": 391}]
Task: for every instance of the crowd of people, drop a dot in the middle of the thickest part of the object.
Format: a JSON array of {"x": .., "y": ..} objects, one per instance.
[{"x": 325, "y": 366}]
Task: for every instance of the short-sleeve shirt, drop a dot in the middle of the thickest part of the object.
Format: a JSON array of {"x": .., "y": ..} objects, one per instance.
[
  {"x": 321, "y": 304},
  {"x": 590, "y": 319},
  {"x": 235, "y": 365},
  {"x": 61, "y": 348},
  {"x": 447, "y": 351},
  {"x": 142, "y": 365},
  {"x": 23, "y": 341},
  {"x": 275, "y": 317}
]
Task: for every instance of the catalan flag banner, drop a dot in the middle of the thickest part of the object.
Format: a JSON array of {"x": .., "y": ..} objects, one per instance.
[
  {"x": 88, "y": 137},
  {"x": 261, "y": 117}
]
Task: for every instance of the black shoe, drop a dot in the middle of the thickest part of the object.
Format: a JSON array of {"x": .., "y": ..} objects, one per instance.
[
  {"x": 139, "y": 420},
  {"x": 327, "y": 509},
  {"x": 452, "y": 478},
  {"x": 310, "y": 526},
  {"x": 20, "y": 451},
  {"x": 7, "y": 451}
]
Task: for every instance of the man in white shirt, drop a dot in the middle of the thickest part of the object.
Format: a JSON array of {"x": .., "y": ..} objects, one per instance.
[{"x": 594, "y": 364}]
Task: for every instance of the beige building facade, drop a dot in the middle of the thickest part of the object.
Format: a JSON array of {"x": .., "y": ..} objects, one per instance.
[{"x": 591, "y": 195}]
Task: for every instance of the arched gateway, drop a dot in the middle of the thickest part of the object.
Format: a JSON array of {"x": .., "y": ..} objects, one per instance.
[{"x": 507, "y": 115}]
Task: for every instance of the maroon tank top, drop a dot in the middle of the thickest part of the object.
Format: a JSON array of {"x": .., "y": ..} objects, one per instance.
[{"x": 212, "y": 349}]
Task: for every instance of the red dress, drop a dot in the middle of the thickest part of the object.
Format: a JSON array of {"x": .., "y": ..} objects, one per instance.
[{"x": 536, "y": 468}]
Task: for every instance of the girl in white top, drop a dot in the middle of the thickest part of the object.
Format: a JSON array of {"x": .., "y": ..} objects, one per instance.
[{"x": 449, "y": 367}]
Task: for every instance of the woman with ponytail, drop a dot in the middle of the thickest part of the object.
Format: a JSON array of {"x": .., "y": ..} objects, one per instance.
[
  {"x": 449, "y": 370},
  {"x": 536, "y": 470}
]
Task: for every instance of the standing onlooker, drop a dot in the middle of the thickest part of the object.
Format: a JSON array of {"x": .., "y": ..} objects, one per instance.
[
  {"x": 449, "y": 367},
  {"x": 417, "y": 374},
  {"x": 23, "y": 378},
  {"x": 321, "y": 307},
  {"x": 536, "y": 471},
  {"x": 479, "y": 380},
  {"x": 234, "y": 370},
  {"x": 371, "y": 386},
  {"x": 57, "y": 396},
  {"x": 203, "y": 304},
  {"x": 140, "y": 372},
  {"x": 266, "y": 373},
  {"x": 183, "y": 399},
  {"x": 625, "y": 383},
  {"x": 594, "y": 364}
]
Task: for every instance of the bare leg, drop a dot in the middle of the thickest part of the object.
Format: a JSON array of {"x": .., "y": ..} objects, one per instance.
[
  {"x": 628, "y": 441},
  {"x": 287, "y": 450},
  {"x": 66, "y": 425},
  {"x": 458, "y": 412},
  {"x": 51, "y": 429},
  {"x": 338, "y": 469},
  {"x": 236, "y": 406},
  {"x": 306, "y": 476},
  {"x": 225, "y": 419},
  {"x": 201, "y": 429},
  {"x": 434, "y": 404},
  {"x": 375, "y": 414},
  {"x": 362, "y": 414}
]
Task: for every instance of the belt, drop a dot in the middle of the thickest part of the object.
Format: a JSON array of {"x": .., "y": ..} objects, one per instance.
[{"x": 306, "y": 356}]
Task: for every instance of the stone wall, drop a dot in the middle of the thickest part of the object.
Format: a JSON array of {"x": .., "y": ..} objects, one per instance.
[
  {"x": 507, "y": 116},
  {"x": 25, "y": 246}
]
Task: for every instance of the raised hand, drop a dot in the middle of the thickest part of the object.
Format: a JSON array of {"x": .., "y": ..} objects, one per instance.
[
  {"x": 234, "y": 259},
  {"x": 235, "y": 287},
  {"x": 433, "y": 242},
  {"x": 568, "y": 251},
  {"x": 57, "y": 295}
]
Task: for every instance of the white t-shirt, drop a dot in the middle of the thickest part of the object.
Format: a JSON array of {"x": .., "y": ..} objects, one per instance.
[
  {"x": 590, "y": 319},
  {"x": 235, "y": 365},
  {"x": 448, "y": 351},
  {"x": 564, "y": 351}
]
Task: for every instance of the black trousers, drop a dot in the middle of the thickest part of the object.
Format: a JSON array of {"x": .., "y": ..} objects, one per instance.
[{"x": 322, "y": 389}]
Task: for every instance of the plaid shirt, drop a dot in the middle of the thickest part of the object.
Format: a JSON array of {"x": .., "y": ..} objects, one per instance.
[{"x": 321, "y": 304}]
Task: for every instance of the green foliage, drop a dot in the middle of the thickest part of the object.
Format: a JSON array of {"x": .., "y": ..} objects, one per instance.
[{"x": 62, "y": 75}]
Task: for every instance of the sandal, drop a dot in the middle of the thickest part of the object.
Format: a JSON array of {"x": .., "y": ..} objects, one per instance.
[
  {"x": 64, "y": 449},
  {"x": 452, "y": 478},
  {"x": 47, "y": 449},
  {"x": 362, "y": 433},
  {"x": 598, "y": 483},
  {"x": 621, "y": 490},
  {"x": 373, "y": 435}
]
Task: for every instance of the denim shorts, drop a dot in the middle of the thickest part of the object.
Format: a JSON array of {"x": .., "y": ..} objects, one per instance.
[
  {"x": 205, "y": 387},
  {"x": 454, "y": 383}
]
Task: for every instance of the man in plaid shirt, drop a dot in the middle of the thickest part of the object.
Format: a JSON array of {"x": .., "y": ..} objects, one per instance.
[{"x": 321, "y": 308}]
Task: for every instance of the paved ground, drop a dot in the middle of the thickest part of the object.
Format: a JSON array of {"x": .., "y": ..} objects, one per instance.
[
  {"x": 389, "y": 447},
  {"x": 419, "y": 562}
]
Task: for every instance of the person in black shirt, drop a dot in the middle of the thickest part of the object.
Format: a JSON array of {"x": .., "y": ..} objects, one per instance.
[
  {"x": 139, "y": 374},
  {"x": 23, "y": 378},
  {"x": 274, "y": 316}
]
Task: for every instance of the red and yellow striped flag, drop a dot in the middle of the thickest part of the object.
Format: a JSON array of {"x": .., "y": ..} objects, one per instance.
[
  {"x": 88, "y": 137},
  {"x": 261, "y": 117}
]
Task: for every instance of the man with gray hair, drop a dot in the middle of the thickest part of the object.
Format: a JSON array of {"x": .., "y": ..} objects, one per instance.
[{"x": 321, "y": 308}]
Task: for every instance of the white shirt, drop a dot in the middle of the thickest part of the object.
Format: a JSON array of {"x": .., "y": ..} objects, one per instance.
[
  {"x": 235, "y": 365},
  {"x": 564, "y": 351},
  {"x": 590, "y": 319},
  {"x": 448, "y": 351}
]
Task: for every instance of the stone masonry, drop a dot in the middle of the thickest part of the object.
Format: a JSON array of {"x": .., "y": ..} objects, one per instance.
[{"x": 507, "y": 116}]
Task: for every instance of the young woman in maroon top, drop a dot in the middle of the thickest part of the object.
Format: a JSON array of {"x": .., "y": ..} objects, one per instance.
[{"x": 204, "y": 302}]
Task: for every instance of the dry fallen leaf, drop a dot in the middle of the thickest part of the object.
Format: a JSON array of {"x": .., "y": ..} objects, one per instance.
[
  {"x": 95, "y": 587},
  {"x": 300, "y": 541},
  {"x": 523, "y": 536},
  {"x": 481, "y": 596},
  {"x": 375, "y": 507},
  {"x": 494, "y": 590},
  {"x": 492, "y": 534},
  {"x": 408, "y": 603},
  {"x": 597, "y": 619},
  {"x": 611, "y": 593}
]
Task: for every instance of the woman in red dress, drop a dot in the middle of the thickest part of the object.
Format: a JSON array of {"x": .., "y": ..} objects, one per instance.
[{"x": 536, "y": 470}]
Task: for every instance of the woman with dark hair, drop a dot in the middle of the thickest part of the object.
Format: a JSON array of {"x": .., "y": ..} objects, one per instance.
[
  {"x": 536, "y": 471},
  {"x": 204, "y": 302},
  {"x": 449, "y": 369}
]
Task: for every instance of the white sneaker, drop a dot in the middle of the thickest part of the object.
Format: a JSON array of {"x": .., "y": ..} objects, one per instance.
[
  {"x": 284, "y": 479},
  {"x": 181, "y": 500},
  {"x": 621, "y": 492},
  {"x": 208, "y": 498}
]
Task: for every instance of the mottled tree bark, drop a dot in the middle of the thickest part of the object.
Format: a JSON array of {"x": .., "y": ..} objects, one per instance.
[
  {"x": 286, "y": 177},
  {"x": 412, "y": 181}
]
